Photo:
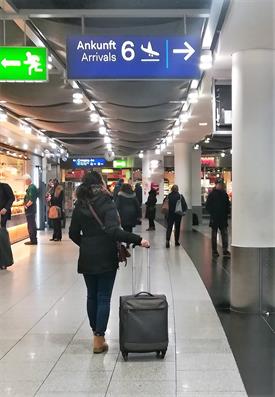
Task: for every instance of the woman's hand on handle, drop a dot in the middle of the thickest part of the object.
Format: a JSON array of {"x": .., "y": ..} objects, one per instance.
[{"x": 145, "y": 243}]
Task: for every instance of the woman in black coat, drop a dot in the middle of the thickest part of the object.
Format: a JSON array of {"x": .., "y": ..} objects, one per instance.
[
  {"x": 151, "y": 209},
  {"x": 98, "y": 257},
  {"x": 172, "y": 217},
  {"x": 128, "y": 207},
  {"x": 57, "y": 200}
]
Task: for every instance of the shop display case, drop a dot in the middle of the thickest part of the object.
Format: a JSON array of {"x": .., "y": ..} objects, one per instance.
[{"x": 12, "y": 170}]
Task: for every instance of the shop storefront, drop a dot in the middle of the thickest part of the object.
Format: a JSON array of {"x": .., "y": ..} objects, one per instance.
[{"x": 12, "y": 168}]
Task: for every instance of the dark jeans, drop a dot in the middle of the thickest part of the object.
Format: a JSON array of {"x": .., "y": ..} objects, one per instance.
[
  {"x": 224, "y": 234},
  {"x": 57, "y": 231},
  {"x": 32, "y": 229},
  {"x": 4, "y": 220},
  {"x": 151, "y": 222},
  {"x": 171, "y": 220},
  {"x": 99, "y": 288}
]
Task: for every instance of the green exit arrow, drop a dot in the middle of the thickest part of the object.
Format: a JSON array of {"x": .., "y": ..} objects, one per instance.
[
  {"x": 7, "y": 63},
  {"x": 27, "y": 64}
]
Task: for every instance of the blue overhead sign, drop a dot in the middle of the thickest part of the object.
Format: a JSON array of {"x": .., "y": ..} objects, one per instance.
[
  {"x": 120, "y": 57},
  {"x": 92, "y": 162}
]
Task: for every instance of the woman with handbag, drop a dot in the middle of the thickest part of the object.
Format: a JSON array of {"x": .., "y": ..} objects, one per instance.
[
  {"x": 95, "y": 228},
  {"x": 176, "y": 209},
  {"x": 56, "y": 211}
]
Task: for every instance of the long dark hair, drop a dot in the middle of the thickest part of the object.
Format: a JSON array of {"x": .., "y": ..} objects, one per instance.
[{"x": 91, "y": 183}]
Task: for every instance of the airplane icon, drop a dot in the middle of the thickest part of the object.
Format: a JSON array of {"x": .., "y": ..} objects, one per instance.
[{"x": 149, "y": 51}]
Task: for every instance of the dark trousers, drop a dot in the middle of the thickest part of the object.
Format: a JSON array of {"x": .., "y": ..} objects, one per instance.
[
  {"x": 224, "y": 234},
  {"x": 57, "y": 231},
  {"x": 4, "y": 220},
  {"x": 32, "y": 229},
  {"x": 99, "y": 292},
  {"x": 151, "y": 222},
  {"x": 171, "y": 220}
]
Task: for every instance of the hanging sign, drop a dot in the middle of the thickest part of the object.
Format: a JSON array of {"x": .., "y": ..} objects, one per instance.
[
  {"x": 23, "y": 64},
  {"x": 121, "y": 57}
]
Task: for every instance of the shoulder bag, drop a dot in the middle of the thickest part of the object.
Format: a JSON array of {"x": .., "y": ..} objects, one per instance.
[{"x": 122, "y": 252}]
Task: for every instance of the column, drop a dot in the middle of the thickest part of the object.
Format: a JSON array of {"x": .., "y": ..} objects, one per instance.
[
  {"x": 196, "y": 184},
  {"x": 183, "y": 178},
  {"x": 153, "y": 175},
  {"x": 253, "y": 164}
]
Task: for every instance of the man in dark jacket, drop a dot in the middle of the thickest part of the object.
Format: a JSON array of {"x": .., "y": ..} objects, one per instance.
[
  {"x": 218, "y": 206},
  {"x": 6, "y": 200},
  {"x": 138, "y": 191},
  {"x": 117, "y": 188},
  {"x": 173, "y": 218}
]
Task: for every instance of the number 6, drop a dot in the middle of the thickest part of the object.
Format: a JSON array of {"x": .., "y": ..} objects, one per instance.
[{"x": 128, "y": 50}]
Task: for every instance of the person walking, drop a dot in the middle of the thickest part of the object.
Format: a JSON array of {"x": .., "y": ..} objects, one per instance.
[
  {"x": 138, "y": 191},
  {"x": 218, "y": 206},
  {"x": 30, "y": 209},
  {"x": 57, "y": 201},
  {"x": 98, "y": 257},
  {"x": 117, "y": 188},
  {"x": 174, "y": 218},
  {"x": 151, "y": 209},
  {"x": 6, "y": 200},
  {"x": 128, "y": 207}
]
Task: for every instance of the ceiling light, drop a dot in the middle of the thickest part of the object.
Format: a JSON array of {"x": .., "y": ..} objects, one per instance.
[
  {"x": 193, "y": 96},
  {"x": 77, "y": 95},
  {"x": 162, "y": 146},
  {"x": 109, "y": 146},
  {"x": 169, "y": 152},
  {"x": 140, "y": 155},
  {"x": 184, "y": 117},
  {"x": 157, "y": 151},
  {"x": 176, "y": 131},
  {"x": 169, "y": 139},
  {"x": 177, "y": 123},
  {"x": 25, "y": 146},
  {"x": 53, "y": 145},
  {"x": 101, "y": 121},
  {"x": 3, "y": 116},
  {"x": 50, "y": 66},
  {"x": 203, "y": 124},
  {"x": 94, "y": 117},
  {"x": 206, "y": 60},
  {"x": 207, "y": 140},
  {"x": 194, "y": 84},
  {"x": 231, "y": 151},
  {"x": 222, "y": 154},
  {"x": 196, "y": 147},
  {"x": 92, "y": 107},
  {"x": 50, "y": 59},
  {"x": 102, "y": 130},
  {"x": 107, "y": 139},
  {"x": 78, "y": 101},
  {"x": 43, "y": 138},
  {"x": 185, "y": 107}
]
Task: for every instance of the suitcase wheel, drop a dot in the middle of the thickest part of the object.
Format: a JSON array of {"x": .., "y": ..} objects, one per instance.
[
  {"x": 125, "y": 355},
  {"x": 161, "y": 354}
]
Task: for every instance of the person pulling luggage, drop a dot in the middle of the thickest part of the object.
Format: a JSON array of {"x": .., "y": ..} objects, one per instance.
[{"x": 98, "y": 250}]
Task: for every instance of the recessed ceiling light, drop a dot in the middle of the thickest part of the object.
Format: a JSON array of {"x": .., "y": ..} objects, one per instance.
[
  {"x": 203, "y": 124},
  {"x": 194, "y": 84},
  {"x": 169, "y": 152}
]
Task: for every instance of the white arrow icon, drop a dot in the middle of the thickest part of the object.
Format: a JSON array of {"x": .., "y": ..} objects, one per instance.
[
  {"x": 189, "y": 50},
  {"x": 5, "y": 63}
]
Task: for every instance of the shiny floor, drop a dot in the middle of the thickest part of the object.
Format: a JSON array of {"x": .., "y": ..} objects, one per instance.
[{"x": 45, "y": 339}]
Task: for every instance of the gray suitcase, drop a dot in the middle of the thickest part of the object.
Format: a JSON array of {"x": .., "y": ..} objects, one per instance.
[{"x": 143, "y": 320}]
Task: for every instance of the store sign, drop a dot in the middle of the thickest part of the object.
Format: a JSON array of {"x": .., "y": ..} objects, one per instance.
[
  {"x": 120, "y": 164},
  {"x": 92, "y": 162},
  {"x": 132, "y": 57},
  {"x": 208, "y": 161},
  {"x": 28, "y": 64}
]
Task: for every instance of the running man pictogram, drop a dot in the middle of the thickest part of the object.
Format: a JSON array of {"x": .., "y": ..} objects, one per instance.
[{"x": 34, "y": 63}]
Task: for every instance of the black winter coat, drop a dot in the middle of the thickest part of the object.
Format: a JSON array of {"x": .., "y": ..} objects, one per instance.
[
  {"x": 128, "y": 208},
  {"x": 6, "y": 198},
  {"x": 218, "y": 206},
  {"x": 98, "y": 248},
  {"x": 151, "y": 206},
  {"x": 138, "y": 191},
  {"x": 173, "y": 198},
  {"x": 58, "y": 201}
]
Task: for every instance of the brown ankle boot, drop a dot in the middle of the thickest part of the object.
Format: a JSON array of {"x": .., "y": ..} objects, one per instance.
[{"x": 100, "y": 346}]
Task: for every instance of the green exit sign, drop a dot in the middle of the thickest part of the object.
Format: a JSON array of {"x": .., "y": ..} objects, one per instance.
[
  {"x": 119, "y": 164},
  {"x": 27, "y": 64}
]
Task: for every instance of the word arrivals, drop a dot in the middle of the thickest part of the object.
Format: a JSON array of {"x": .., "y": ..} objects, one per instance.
[{"x": 99, "y": 58}]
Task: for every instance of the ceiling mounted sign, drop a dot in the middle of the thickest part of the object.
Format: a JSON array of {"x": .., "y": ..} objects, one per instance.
[
  {"x": 23, "y": 64},
  {"x": 120, "y": 57}
]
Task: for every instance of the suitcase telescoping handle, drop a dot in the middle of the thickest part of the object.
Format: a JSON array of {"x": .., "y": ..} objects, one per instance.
[{"x": 134, "y": 270}]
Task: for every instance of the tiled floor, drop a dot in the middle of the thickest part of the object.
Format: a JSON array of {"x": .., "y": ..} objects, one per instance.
[{"x": 45, "y": 340}]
